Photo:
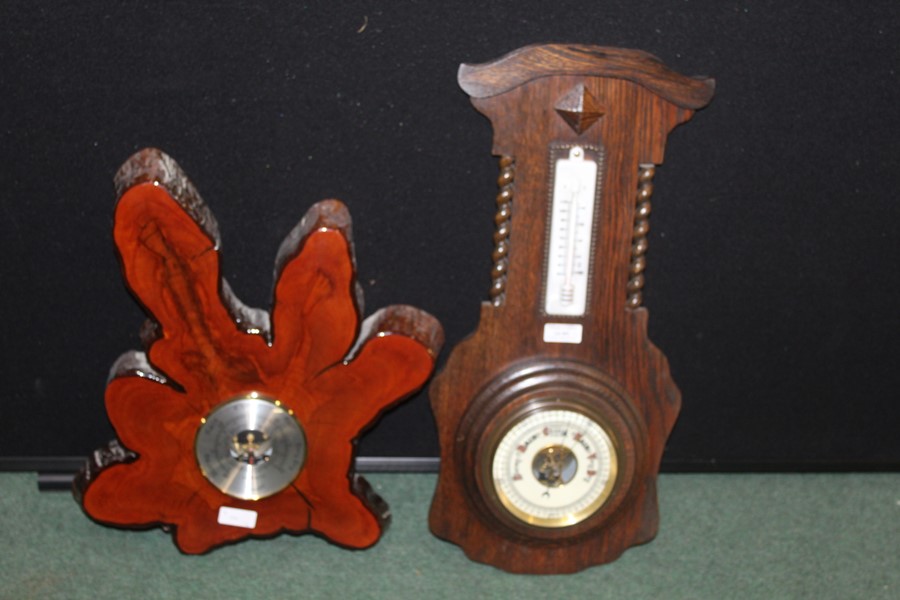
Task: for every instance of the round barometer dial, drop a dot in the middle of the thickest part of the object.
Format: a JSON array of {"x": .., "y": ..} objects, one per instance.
[
  {"x": 554, "y": 468},
  {"x": 250, "y": 447}
]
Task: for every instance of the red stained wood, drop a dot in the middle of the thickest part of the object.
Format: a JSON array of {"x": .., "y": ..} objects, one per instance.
[{"x": 312, "y": 352}]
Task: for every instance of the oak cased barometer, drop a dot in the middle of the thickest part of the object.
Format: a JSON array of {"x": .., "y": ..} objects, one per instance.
[{"x": 553, "y": 415}]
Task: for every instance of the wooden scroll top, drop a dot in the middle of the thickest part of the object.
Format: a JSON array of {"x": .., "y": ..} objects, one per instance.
[
  {"x": 553, "y": 414},
  {"x": 237, "y": 422}
]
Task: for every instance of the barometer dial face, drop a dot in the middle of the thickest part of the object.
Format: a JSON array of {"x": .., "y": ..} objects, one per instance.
[
  {"x": 554, "y": 468},
  {"x": 250, "y": 447}
]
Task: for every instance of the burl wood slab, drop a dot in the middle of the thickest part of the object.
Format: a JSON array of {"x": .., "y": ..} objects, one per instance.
[
  {"x": 624, "y": 102},
  {"x": 203, "y": 347}
]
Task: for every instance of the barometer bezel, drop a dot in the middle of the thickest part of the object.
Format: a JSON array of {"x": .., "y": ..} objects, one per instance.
[
  {"x": 535, "y": 386},
  {"x": 534, "y": 410},
  {"x": 287, "y": 466}
]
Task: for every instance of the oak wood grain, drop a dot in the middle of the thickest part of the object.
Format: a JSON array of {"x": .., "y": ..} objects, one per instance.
[{"x": 641, "y": 100}]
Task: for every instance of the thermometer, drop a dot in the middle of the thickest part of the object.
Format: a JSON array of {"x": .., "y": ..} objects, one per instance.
[{"x": 572, "y": 208}]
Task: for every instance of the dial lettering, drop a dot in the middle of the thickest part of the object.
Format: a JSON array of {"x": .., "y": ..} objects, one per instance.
[{"x": 560, "y": 482}]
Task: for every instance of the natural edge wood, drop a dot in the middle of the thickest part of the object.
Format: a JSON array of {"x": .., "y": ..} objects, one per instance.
[{"x": 203, "y": 347}]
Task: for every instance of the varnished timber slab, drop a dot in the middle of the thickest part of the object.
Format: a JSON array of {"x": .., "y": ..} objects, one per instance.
[{"x": 312, "y": 351}]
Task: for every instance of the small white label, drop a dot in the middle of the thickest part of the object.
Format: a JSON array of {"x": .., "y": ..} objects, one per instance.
[
  {"x": 237, "y": 517},
  {"x": 562, "y": 333}
]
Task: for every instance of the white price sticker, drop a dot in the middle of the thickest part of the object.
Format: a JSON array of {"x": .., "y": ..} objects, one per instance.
[
  {"x": 237, "y": 517},
  {"x": 563, "y": 333}
]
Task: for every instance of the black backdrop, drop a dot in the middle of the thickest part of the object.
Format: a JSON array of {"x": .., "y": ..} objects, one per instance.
[{"x": 773, "y": 279}]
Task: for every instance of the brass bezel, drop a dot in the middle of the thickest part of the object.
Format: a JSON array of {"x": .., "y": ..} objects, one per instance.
[
  {"x": 556, "y": 405},
  {"x": 254, "y": 396},
  {"x": 537, "y": 385}
]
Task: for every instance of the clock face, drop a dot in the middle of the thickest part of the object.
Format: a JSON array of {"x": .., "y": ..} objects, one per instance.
[
  {"x": 250, "y": 447},
  {"x": 554, "y": 468}
]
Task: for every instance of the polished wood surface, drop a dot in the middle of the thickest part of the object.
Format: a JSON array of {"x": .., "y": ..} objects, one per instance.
[
  {"x": 544, "y": 60},
  {"x": 633, "y": 102},
  {"x": 312, "y": 352}
]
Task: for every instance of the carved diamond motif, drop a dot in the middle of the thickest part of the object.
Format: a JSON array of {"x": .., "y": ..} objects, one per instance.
[{"x": 579, "y": 109}]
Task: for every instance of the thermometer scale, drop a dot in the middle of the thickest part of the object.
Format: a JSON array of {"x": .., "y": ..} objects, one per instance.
[{"x": 570, "y": 248}]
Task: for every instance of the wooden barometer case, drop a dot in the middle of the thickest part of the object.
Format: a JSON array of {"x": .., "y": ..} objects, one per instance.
[
  {"x": 237, "y": 422},
  {"x": 553, "y": 415}
]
